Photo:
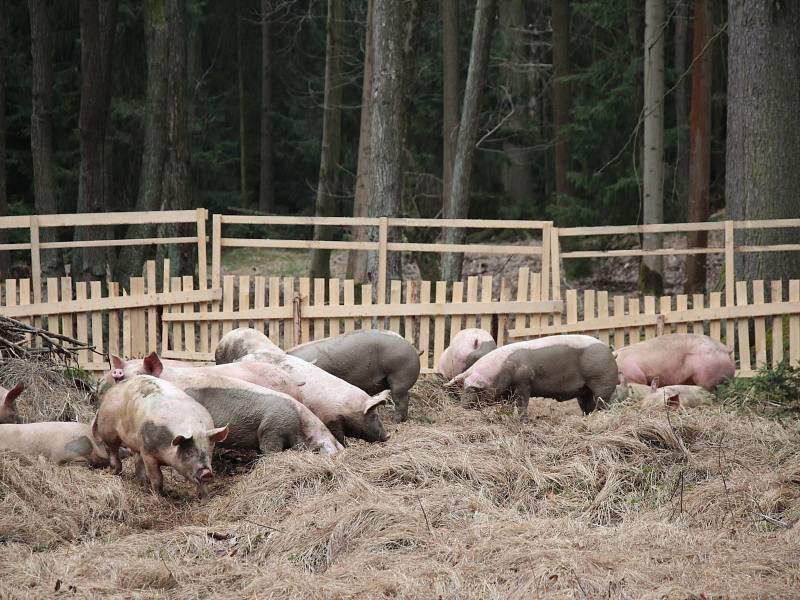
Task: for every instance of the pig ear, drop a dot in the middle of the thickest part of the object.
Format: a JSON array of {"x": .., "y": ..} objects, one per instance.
[
  {"x": 12, "y": 394},
  {"x": 217, "y": 435},
  {"x": 674, "y": 401},
  {"x": 117, "y": 362},
  {"x": 93, "y": 429},
  {"x": 376, "y": 401},
  {"x": 180, "y": 439},
  {"x": 475, "y": 344},
  {"x": 152, "y": 365}
]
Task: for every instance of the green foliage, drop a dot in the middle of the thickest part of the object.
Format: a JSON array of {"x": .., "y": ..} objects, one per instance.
[{"x": 775, "y": 392}]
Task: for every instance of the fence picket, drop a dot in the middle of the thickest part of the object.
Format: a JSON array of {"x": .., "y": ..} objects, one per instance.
[
  {"x": 523, "y": 281},
  {"x": 96, "y": 292},
  {"x": 319, "y": 300},
  {"x": 260, "y": 301},
  {"x": 66, "y": 295},
  {"x": 334, "y": 325},
  {"x": 682, "y": 303},
  {"x": 113, "y": 323},
  {"x": 81, "y": 323},
  {"x": 24, "y": 286},
  {"x": 366, "y": 300},
  {"x": 227, "y": 302},
  {"x": 305, "y": 301},
  {"x": 665, "y": 307},
  {"x": 715, "y": 326},
  {"x": 439, "y": 324},
  {"x": 589, "y": 297},
  {"x": 634, "y": 305},
  {"x": 456, "y": 320},
  {"x": 349, "y": 300},
  {"x": 412, "y": 297},
  {"x": 536, "y": 294},
  {"x": 502, "y": 320},
  {"x": 760, "y": 326},
  {"x": 395, "y": 298},
  {"x": 744, "y": 331},
  {"x": 602, "y": 313},
  {"x": 165, "y": 328},
  {"x": 472, "y": 296},
  {"x": 138, "y": 320},
  {"x": 244, "y": 298},
  {"x": 176, "y": 285},
  {"x": 649, "y": 309},
  {"x": 274, "y": 300},
  {"x": 424, "y": 326},
  {"x": 794, "y": 324},
  {"x": 188, "y": 326},
  {"x": 288, "y": 324},
  {"x": 572, "y": 306},
  {"x": 619, "y": 312},
  {"x": 150, "y": 279},
  {"x": 776, "y": 295},
  {"x": 697, "y": 326},
  {"x": 487, "y": 285}
]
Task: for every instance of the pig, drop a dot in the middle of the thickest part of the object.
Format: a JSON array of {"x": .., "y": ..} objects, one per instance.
[
  {"x": 8, "y": 405},
  {"x": 258, "y": 418},
  {"x": 343, "y": 408},
  {"x": 161, "y": 425},
  {"x": 372, "y": 360},
  {"x": 675, "y": 359},
  {"x": 467, "y": 346},
  {"x": 118, "y": 366},
  {"x": 58, "y": 441},
  {"x": 240, "y": 342},
  {"x": 674, "y": 396},
  {"x": 561, "y": 367}
]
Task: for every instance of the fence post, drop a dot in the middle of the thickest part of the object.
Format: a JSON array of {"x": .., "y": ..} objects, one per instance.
[
  {"x": 202, "y": 260},
  {"x": 546, "y": 247},
  {"x": 36, "y": 261},
  {"x": 555, "y": 261},
  {"x": 216, "y": 241},
  {"x": 730, "y": 297},
  {"x": 383, "y": 239}
]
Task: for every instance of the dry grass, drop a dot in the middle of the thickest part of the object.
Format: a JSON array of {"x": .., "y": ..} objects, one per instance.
[{"x": 625, "y": 503}]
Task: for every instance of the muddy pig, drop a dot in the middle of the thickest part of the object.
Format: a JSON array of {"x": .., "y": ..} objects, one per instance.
[
  {"x": 258, "y": 418},
  {"x": 671, "y": 396},
  {"x": 58, "y": 441},
  {"x": 343, "y": 408},
  {"x": 371, "y": 360},
  {"x": 467, "y": 346},
  {"x": 8, "y": 406},
  {"x": 161, "y": 425},
  {"x": 675, "y": 359},
  {"x": 240, "y": 342},
  {"x": 561, "y": 367}
]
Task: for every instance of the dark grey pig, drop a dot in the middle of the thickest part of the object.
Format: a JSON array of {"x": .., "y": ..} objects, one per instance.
[{"x": 372, "y": 360}]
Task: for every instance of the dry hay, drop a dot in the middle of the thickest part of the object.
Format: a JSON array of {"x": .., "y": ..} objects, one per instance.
[
  {"x": 625, "y": 503},
  {"x": 50, "y": 395}
]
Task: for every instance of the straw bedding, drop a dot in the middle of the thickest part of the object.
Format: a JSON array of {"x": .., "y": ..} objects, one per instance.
[{"x": 624, "y": 503}]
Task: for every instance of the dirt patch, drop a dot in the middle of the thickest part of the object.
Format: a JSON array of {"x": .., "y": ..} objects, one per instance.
[{"x": 458, "y": 504}]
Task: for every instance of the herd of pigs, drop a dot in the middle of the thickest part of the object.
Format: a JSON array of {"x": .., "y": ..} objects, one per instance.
[{"x": 168, "y": 413}]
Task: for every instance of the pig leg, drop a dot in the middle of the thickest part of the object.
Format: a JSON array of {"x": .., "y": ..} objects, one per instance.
[
  {"x": 469, "y": 398},
  {"x": 586, "y": 400},
  {"x": 270, "y": 442},
  {"x": 522, "y": 394},
  {"x": 337, "y": 430},
  {"x": 153, "y": 468},
  {"x": 113, "y": 457},
  {"x": 399, "y": 384}
]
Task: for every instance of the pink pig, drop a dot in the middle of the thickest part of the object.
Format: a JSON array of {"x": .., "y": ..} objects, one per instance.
[
  {"x": 467, "y": 346},
  {"x": 8, "y": 407},
  {"x": 675, "y": 359},
  {"x": 240, "y": 342}
]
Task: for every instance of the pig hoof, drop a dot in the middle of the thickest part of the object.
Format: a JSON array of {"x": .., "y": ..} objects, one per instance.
[{"x": 398, "y": 418}]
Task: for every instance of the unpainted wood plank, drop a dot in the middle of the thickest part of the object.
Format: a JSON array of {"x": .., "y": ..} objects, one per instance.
[
  {"x": 649, "y": 309},
  {"x": 96, "y": 292},
  {"x": 383, "y": 238},
  {"x": 202, "y": 275},
  {"x": 166, "y": 330},
  {"x": 602, "y": 313},
  {"x": 715, "y": 325},
  {"x": 113, "y": 322},
  {"x": 619, "y": 313},
  {"x": 349, "y": 300},
  {"x": 536, "y": 292},
  {"x": 366, "y": 300},
  {"x": 395, "y": 299},
  {"x": 188, "y": 326},
  {"x": 555, "y": 262},
  {"x": 743, "y": 327},
  {"x": 547, "y": 244},
  {"x": 24, "y": 286},
  {"x": 589, "y": 304},
  {"x": 244, "y": 300},
  {"x": 319, "y": 300},
  {"x": 334, "y": 324},
  {"x": 730, "y": 292},
  {"x": 487, "y": 286},
  {"x": 572, "y": 306},
  {"x": 776, "y": 295},
  {"x": 178, "y": 345},
  {"x": 697, "y": 326},
  {"x": 274, "y": 300},
  {"x": 523, "y": 288},
  {"x": 127, "y": 353},
  {"x": 411, "y": 293},
  {"x": 760, "y": 326},
  {"x": 66, "y": 295},
  {"x": 152, "y": 316},
  {"x": 457, "y": 297},
  {"x": 472, "y": 296},
  {"x": 228, "y": 284},
  {"x": 664, "y": 308},
  {"x": 260, "y": 301},
  {"x": 424, "y": 327},
  {"x": 682, "y": 303},
  {"x": 634, "y": 308},
  {"x": 439, "y": 324},
  {"x": 81, "y": 323},
  {"x": 288, "y": 340},
  {"x": 794, "y": 324},
  {"x": 502, "y": 320},
  {"x": 305, "y": 302}
]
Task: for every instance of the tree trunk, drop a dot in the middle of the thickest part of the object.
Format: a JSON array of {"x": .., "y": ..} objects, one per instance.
[
  {"x": 356, "y": 259},
  {"x": 681, "y": 18},
  {"x": 450, "y": 96},
  {"x": 762, "y": 175},
  {"x": 562, "y": 97},
  {"x": 4, "y": 261},
  {"x": 395, "y": 32},
  {"x": 700, "y": 169},
  {"x": 265, "y": 188},
  {"x": 98, "y": 22},
  {"x": 651, "y": 275},
  {"x": 517, "y": 170},
  {"x": 468, "y": 132},
  {"x": 44, "y": 185},
  {"x": 327, "y": 184},
  {"x": 240, "y": 73},
  {"x": 176, "y": 182},
  {"x": 131, "y": 258}
]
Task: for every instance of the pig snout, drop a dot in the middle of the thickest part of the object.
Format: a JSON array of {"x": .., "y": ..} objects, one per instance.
[
  {"x": 118, "y": 374},
  {"x": 203, "y": 475}
]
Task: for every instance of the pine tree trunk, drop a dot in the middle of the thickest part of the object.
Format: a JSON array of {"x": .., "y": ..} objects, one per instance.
[
  {"x": 242, "y": 140},
  {"x": 450, "y": 96},
  {"x": 4, "y": 261},
  {"x": 762, "y": 175},
  {"x": 131, "y": 258},
  {"x": 176, "y": 180},
  {"x": 700, "y": 163},
  {"x": 44, "y": 186},
  {"x": 98, "y": 21},
  {"x": 562, "y": 97},
  {"x": 651, "y": 275},
  {"x": 468, "y": 132},
  {"x": 265, "y": 190},
  {"x": 357, "y": 260},
  {"x": 395, "y": 32},
  {"x": 681, "y": 19},
  {"x": 327, "y": 183}
]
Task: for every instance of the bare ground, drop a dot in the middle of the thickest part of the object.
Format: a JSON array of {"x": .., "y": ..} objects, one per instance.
[{"x": 624, "y": 503}]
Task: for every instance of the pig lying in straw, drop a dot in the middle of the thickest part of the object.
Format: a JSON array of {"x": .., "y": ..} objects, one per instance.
[
  {"x": 344, "y": 409},
  {"x": 161, "y": 425},
  {"x": 467, "y": 346},
  {"x": 371, "y": 360},
  {"x": 240, "y": 342},
  {"x": 8, "y": 406},
  {"x": 258, "y": 418},
  {"x": 676, "y": 359},
  {"x": 561, "y": 367},
  {"x": 58, "y": 441},
  {"x": 670, "y": 396}
]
